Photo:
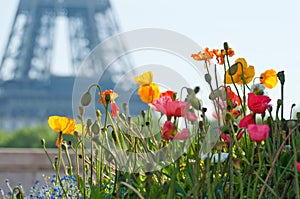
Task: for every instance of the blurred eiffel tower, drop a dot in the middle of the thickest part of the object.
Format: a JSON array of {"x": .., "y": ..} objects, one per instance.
[{"x": 29, "y": 91}]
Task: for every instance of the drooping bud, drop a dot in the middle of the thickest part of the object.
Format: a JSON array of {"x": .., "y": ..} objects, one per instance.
[
  {"x": 194, "y": 101},
  {"x": 281, "y": 77},
  {"x": 233, "y": 69},
  {"x": 190, "y": 91},
  {"x": 86, "y": 99}
]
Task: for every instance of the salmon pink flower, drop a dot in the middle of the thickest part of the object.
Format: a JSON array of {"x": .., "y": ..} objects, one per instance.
[
  {"x": 109, "y": 96},
  {"x": 205, "y": 55},
  {"x": 170, "y": 108},
  {"x": 258, "y": 132},
  {"x": 258, "y": 103}
]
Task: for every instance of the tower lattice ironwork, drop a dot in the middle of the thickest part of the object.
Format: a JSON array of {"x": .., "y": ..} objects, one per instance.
[{"x": 29, "y": 92}]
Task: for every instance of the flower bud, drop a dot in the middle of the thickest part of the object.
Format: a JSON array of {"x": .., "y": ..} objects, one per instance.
[
  {"x": 124, "y": 106},
  {"x": 95, "y": 128},
  {"x": 281, "y": 77},
  {"x": 107, "y": 98},
  {"x": 43, "y": 142},
  {"x": 98, "y": 114},
  {"x": 196, "y": 90},
  {"x": 298, "y": 115},
  {"x": 233, "y": 69},
  {"x": 86, "y": 99},
  {"x": 207, "y": 78},
  {"x": 81, "y": 111},
  {"x": 226, "y": 47},
  {"x": 190, "y": 91},
  {"x": 195, "y": 102},
  {"x": 89, "y": 123},
  {"x": 291, "y": 124}
]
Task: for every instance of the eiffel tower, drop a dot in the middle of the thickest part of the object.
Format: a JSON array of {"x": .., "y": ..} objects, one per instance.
[{"x": 29, "y": 91}]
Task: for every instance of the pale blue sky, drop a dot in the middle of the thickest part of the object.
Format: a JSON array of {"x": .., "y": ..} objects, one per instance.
[{"x": 266, "y": 33}]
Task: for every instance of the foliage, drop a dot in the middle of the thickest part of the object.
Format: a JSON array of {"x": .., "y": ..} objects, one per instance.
[{"x": 248, "y": 151}]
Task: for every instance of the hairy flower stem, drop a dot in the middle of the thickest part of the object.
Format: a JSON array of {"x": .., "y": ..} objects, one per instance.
[
  {"x": 295, "y": 167},
  {"x": 259, "y": 170},
  {"x": 275, "y": 160}
]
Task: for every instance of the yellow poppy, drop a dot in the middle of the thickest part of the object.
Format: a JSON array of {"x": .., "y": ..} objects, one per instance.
[
  {"x": 63, "y": 125},
  {"x": 269, "y": 78},
  {"x": 242, "y": 70},
  {"x": 148, "y": 91}
]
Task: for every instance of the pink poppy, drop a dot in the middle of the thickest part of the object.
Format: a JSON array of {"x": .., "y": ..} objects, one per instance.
[
  {"x": 171, "y": 108},
  {"x": 298, "y": 166},
  {"x": 183, "y": 135},
  {"x": 258, "y": 103},
  {"x": 258, "y": 132}
]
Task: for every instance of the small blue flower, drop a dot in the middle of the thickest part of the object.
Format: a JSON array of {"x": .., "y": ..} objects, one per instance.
[
  {"x": 6, "y": 180},
  {"x": 37, "y": 182}
]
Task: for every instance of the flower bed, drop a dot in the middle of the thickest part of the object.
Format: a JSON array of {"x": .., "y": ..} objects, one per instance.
[{"x": 173, "y": 149}]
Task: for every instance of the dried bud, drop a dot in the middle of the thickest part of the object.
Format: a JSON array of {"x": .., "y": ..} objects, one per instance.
[{"x": 86, "y": 99}]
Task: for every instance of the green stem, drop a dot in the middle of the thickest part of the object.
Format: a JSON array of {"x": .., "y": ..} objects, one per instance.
[{"x": 295, "y": 167}]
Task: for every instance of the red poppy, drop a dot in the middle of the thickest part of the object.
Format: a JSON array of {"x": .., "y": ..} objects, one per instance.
[
  {"x": 169, "y": 93},
  {"x": 169, "y": 132},
  {"x": 232, "y": 97},
  {"x": 258, "y": 103},
  {"x": 258, "y": 132},
  {"x": 248, "y": 119}
]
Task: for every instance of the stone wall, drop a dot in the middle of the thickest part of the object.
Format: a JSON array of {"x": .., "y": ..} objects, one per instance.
[{"x": 25, "y": 166}]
